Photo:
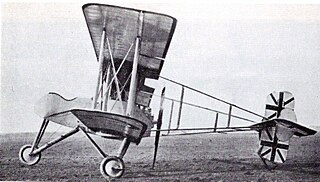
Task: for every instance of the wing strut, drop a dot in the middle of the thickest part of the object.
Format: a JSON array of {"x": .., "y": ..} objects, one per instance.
[
  {"x": 180, "y": 107},
  {"x": 134, "y": 76},
  {"x": 159, "y": 123},
  {"x": 170, "y": 118},
  {"x": 101, "y": 57}
]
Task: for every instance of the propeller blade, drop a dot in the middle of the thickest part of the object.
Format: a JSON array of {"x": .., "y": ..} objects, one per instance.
[{"x": 159, "y": 123}]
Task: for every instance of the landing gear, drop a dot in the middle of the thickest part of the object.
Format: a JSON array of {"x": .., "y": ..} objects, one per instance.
[
  {"x": 26, "y": 156},
  {"x": 112, "y": 167},
  {"x": 31, "y": 154}
]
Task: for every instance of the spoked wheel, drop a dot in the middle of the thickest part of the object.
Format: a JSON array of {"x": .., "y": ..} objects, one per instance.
[
  {"x": 112, "y": 167},
  {"x": 26, "y": 158}
]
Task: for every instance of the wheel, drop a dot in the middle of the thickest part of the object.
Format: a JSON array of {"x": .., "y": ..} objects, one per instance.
[
  {"x": 26, "y": 158},
  {"x": 112, "y": 167}
]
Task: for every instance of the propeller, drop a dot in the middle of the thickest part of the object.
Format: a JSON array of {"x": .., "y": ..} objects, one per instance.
[{"x": 159, "y": 123}]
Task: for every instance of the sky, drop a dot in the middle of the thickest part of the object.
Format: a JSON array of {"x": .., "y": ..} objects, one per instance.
[{"x": 237, "y": 52}]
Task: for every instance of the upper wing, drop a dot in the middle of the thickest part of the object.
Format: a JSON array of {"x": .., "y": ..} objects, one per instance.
[
  {"x": 122, "y": 29},
  {"x": 297, "y": 129}
]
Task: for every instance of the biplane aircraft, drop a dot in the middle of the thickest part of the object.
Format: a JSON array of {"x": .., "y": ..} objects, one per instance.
[{"x": 131, "y": 46}]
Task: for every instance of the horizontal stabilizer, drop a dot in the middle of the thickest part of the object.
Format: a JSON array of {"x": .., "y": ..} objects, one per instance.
[{"x": 297, "y": 129}]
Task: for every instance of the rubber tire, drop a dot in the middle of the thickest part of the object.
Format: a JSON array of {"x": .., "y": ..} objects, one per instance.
[
  {"x": 108, "y": 163},
  {"x": 27, "y": 159}
]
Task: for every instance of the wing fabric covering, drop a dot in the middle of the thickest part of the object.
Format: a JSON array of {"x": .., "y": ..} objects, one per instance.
[{"x": 122, "y": 29}]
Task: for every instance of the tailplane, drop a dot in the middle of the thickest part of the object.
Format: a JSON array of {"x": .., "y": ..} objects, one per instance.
[{"x": 279, "y": 125}]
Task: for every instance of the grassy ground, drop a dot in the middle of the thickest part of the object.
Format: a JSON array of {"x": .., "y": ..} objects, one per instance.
[{"x": 210, "y": 157}]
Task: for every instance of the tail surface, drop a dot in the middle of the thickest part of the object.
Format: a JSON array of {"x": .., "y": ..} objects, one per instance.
[
  {"x": 278, "y": 127},
  {"x": 274, "y": 137}
]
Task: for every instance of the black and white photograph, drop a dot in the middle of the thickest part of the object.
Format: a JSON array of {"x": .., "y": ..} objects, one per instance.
[{"x": 160, "y": 91}]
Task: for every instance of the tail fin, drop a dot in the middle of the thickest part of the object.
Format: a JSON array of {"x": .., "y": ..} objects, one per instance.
[
  {"x": 274, "y": 139},
  {"x": 280, "y": 105},
  {"x": 275, "y": 132},
  {"x": 276, "y": 102}
]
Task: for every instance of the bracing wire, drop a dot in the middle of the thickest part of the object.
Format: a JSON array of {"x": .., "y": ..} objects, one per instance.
[
  {"x": 212, "y": 97},
  {"x": 204, "y": 108}
]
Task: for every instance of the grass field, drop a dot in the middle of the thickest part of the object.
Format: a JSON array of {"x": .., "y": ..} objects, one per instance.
[{"x": 208, "y": 157}]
